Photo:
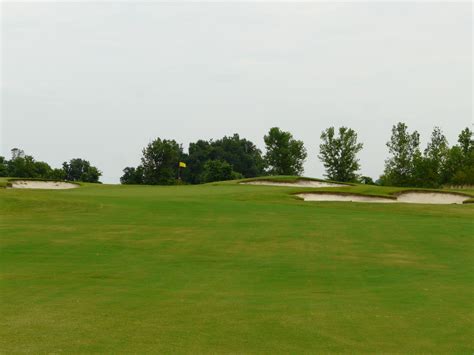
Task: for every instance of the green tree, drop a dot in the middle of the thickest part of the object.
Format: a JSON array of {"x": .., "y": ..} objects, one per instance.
[
  {"x": 428, "y": 168},
  {"x": 466, "y": 142},
  {"x": 424, "y": 172},
  {"x": 466, "y": 174},
  {"x": 464, "y": 177},
  {"x": 198, "y": 154},
  {"x": 454, "y": 162},
  {"x": 92, "y": 175},
  {"x": 3, "y": 167},
  {"x": 22, "y": 166},
  {"x": 404, "y": 149},
  {"x": 366, "y": 180},
  {"x": 81, "y": 170},
  {"x": 57, "y": 174},
  {"x": 242, "y": 155},
  {"x": 459, "y": 166},
  {"x": 42, "y": 169},
  {"x": 17, "y": 153},
  {"x": 132, "y": 175},
  {"x": 339, "y": 154},
  {"x": 218, "y": 170},
  {"x": 160, "y": 162},
  {"x": 436, "y": 153},
  {"x": 285, "y": 155},
  {"x": 437, "y": 147}
]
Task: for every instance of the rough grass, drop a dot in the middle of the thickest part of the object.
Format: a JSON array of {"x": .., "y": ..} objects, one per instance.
[{"x": 229, "y": 268}]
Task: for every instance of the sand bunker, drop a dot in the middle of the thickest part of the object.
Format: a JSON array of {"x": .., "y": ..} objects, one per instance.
[
  {"x": 49, "y": 185},
  {"x": 344, "y": 198},
  {"x": 438, "y": 198},
  {"x": 298, "y": 183}
]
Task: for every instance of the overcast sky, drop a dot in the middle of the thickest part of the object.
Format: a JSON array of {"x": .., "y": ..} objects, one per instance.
[{"x": 101, "y": 80}]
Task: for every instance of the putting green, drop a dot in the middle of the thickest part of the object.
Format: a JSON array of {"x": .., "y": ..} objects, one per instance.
[{"x": 232, "y": 268}]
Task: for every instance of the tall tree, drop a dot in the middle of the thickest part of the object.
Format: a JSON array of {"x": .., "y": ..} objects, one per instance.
[
  {"x": 285, "y": 155},
  {"x": 160, "y": 162},
  {"x": 81, "y": 170},
  {"x": 404, "y": 149},
  {"x": 17, "y": 153},
  {"x": 428, "y": 169},
  {"x": 437, "y": 151},
  {"x": 339, "y": 154},
  {"x": 466, "y": 141},
  {"x": 459, "y": 166}
]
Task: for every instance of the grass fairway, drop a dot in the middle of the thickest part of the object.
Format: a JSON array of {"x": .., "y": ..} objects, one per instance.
[{"x": 228, "y": 268}]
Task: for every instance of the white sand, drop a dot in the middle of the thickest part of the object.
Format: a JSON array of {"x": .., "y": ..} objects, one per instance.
[
  {"x": 299, "y": 183},
  {"x": 49, "y": 185},
  {"x": 407, "y": 197},
  {"x": 431, "y": 197},
  {"x": 346, "y": 198}
]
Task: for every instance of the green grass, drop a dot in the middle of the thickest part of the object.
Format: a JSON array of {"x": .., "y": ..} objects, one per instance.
[{"x": 228, "y": 268}]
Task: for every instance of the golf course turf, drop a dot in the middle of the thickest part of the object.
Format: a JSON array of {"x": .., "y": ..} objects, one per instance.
[{"x": 232, "y": 268}]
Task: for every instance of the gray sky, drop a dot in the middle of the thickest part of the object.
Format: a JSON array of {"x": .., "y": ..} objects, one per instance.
[{"x": 101, "y": 80}]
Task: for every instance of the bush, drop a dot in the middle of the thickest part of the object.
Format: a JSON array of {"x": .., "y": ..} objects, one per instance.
[
  {"x": 57, "y": 174},
  {"x": 132, "y": 175},
  {"x": 218, "y": 170},
  {"x": 367, "y": 180}
]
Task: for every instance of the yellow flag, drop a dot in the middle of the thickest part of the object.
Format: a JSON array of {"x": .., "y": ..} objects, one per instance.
[{"x": 182, "y": 165}]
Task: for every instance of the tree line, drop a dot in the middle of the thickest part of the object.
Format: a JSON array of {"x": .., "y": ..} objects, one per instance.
[
  {"x": 436, "y": 166},
  {"x": 22, "y": 165},
  {"x": 217, "y": 160},
  {"x": 235, "y": 157}
]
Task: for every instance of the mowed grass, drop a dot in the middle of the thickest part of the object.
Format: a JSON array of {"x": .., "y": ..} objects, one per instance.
[{"x": 228, "y": 268}]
